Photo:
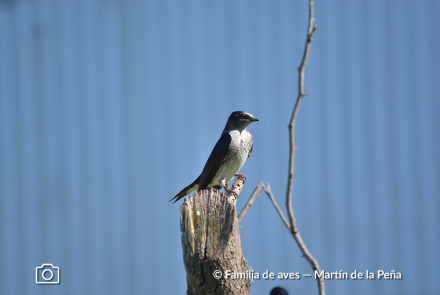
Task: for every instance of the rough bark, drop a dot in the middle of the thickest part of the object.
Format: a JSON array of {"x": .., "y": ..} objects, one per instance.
[{"x": 211, "y": 242}]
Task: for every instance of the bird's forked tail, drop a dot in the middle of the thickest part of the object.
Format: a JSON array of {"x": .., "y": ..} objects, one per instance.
[{"x": 192, "y": 187}]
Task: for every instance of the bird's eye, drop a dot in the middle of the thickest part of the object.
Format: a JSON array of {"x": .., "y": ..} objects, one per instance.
[{"x": 243, "y": 116}]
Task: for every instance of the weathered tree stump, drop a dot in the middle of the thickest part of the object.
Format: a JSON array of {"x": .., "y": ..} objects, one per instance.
[{"x": 211, "y": 243}]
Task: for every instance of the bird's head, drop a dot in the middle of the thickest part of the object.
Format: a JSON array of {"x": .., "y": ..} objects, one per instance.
[{"x": 239, "y": 120}]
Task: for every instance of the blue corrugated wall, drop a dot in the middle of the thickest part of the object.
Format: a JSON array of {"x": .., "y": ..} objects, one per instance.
[{"x": 108, "y": 108}]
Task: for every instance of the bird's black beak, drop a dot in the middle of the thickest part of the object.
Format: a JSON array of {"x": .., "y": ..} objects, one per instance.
[{"x": 254, "y": 119}]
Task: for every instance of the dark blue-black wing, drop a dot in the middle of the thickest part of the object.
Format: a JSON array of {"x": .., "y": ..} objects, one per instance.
[{"x": 218, "y": 155}]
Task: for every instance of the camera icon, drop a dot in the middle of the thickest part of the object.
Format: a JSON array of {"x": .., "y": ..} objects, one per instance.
[{"x": 47, "y": 274}]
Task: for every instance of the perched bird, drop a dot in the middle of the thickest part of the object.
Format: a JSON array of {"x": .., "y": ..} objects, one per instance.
[{"x": 228, "y": 156}]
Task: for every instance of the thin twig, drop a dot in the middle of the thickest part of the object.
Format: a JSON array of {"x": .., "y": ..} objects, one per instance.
[
  {"x": 293, "y": 228},
  {"x": 266, "y": 188},
  {"x": 301, "y": 94},
  {"x": 249, "y": 202}
]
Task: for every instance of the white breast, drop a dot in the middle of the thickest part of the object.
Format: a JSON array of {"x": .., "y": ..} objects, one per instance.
[{"x": 241, "y": 145}]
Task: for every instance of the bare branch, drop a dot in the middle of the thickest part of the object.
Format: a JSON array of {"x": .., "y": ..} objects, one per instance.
[
  {"x": 310, "y": 32},
  {"x": 269, "y": 193},
  {"x": 249, "y": 202},
  {"x": 266, "y": 188},
  {"x": 293, "y": 229}
]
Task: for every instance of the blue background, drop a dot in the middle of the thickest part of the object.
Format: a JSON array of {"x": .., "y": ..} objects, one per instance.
[{"x": 109, "y": 108}]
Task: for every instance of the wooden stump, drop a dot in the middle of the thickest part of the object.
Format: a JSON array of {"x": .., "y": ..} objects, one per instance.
[{"x": 211, "y": 243}]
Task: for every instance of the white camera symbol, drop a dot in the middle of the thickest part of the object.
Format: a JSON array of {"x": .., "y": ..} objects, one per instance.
[{"x": 47, "y": 273}]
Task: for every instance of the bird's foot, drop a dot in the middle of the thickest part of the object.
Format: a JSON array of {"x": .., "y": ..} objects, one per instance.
[
  {"x": 223, "y": 184},
  {"x": 241, "y": 175}
]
